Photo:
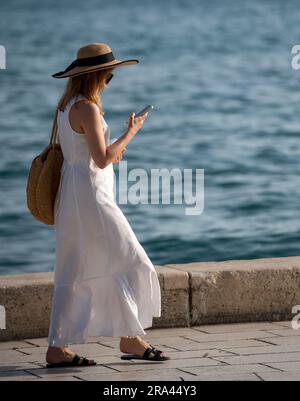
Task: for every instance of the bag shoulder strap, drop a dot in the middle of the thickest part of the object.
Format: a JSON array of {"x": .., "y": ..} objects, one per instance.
[{"x": 54, "y": 130}]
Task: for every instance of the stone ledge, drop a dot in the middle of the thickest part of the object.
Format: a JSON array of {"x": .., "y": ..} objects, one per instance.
[
  {"x": 192, "y": 294},
  {"x": 243, "y": 290}
]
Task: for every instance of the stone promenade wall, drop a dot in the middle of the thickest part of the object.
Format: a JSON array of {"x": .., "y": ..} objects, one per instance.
[{"x": 192, "y": 294}]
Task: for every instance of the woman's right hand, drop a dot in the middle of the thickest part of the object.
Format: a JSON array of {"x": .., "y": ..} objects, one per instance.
[{"x": 135, "y": 124}]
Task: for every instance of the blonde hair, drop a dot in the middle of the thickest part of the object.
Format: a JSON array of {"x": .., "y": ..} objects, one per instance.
[{"x": 90, "y": 85}]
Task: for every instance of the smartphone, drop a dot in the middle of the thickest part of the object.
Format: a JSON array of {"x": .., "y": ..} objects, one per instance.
[{"x": 144, "y": 110}]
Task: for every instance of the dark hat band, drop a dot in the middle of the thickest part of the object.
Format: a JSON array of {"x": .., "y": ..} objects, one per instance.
[{"x": 88, "y": 61}]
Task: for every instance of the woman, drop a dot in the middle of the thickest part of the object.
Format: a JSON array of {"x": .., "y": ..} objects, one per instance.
[{"x": 104, "y": 282}]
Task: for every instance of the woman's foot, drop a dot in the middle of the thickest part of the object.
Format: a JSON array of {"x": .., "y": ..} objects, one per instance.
[
  {"x": 135, "y": 345},
  {"x": 62, "y": 354}
]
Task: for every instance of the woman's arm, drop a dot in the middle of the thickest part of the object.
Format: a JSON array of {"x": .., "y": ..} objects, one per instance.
[{"x": 91, "y": 122}]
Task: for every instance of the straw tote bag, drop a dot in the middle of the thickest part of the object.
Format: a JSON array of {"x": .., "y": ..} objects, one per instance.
[{"x": 44, "y": 178}]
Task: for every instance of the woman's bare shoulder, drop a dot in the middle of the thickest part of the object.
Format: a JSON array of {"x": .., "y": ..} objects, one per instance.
[
  {"x": 86, "y": 108},
  {"x": 85, "y": 104}
]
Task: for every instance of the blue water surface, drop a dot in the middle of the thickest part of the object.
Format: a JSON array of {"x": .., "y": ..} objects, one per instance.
[{"x": 226, "y": 100}]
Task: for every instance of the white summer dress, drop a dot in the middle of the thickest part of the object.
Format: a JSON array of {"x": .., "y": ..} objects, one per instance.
[{"x": 104, "y": 282}]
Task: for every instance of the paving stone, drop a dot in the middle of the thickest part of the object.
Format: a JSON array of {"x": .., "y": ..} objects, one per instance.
[
  {"x": 203, "y": 353},
  {"x": 109, "y": 342},
  {"x": 151, "y": 333},
  {"x": 27, "y": 379},
  {"x": 247, "y": 335},
  {"x": 228, "y": 352},
  {"x": 9, "y": 367},
  {"x": 227, "y": 369},
  {"x": 185, "y": 344},
  {"x": 179, "y": 343},
  {"x": 11, "y": 356},
  {"x": 87, "y": 350},
  {"x": 287, "y": 332},
  {"x": 101, "y": 360},
  {"x": 292, "y": 366},
  {"x": 265, "y": 358},
  {"x": 110, "y": 350},
  {"x": 175, "y": 343},
  {"x": 294, "y": 340},
  {"x": 169, "y": 332},
  {"x": 280, "y": 376},
  {"x": 156, "y": 365},
  {"x": 168, "y": 375},
  {"x": 171, "y": 354},
  {"x": 32, "y": 350},
  {"x": 93, "y": 350},
  {"x": 21, "y": 358},
  {"x": 55, "y": 378},
  {"x": 6, "y": 345},
  {"x": 50, "y": 378},
  {"x": 110, "y": 360},
  {"x": 16, "y": 375},
  {"x": 69, "y": 371},
  {"x": 98, "y": 339},
  {"x": 269, "y": 349},
  {"x": 238, "y": 327},
  {"x": 225, "y": 377},
  {"x": 189, "y": 345},
  {"x": 230, "y": 345},
  {"x": 40, "y": 342}
]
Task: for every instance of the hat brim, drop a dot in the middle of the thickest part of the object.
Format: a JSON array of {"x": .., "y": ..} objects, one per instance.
[{"x": 83, "y": 70}]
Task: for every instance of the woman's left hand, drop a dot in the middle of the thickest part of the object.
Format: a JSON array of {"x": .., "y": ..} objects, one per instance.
[{"x": 118, "y": 158}]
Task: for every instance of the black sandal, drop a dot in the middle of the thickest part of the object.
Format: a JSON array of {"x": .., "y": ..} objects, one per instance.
[
  {"x": 76, "y": 361},
  {"x": 157, "y": 355}
]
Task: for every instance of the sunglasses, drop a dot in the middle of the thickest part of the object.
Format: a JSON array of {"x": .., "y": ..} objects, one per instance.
[{"x": 109, "y": 78}]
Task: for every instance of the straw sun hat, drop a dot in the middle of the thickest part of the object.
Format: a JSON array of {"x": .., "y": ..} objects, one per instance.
[{"x": 93, "y": 57}]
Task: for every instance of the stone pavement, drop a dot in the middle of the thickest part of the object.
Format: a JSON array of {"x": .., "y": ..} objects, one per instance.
[{"x": 265, "y": 351}]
